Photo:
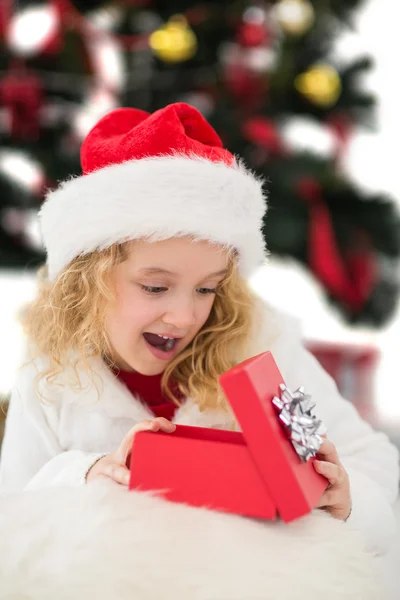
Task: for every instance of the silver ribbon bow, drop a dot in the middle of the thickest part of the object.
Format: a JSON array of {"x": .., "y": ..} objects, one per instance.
[{"x": 302, "y": 427}]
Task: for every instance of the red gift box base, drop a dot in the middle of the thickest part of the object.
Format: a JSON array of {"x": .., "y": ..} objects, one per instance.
[{"x": 202, "y": 467}]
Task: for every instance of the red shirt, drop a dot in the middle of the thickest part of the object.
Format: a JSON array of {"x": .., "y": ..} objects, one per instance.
[{"x": 148, "y": 388}]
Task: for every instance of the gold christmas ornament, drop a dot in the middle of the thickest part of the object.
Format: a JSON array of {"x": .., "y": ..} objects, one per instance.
[
  {"x": 174, "y": 42},
  {"x": 320, "y": 84},
  {"x": 295, "y": 17}
]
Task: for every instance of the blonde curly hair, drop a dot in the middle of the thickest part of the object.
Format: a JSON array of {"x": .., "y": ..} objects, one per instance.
[{"x": 69, "y": 314}]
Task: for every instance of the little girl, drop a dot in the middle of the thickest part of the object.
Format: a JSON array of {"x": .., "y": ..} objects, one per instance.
[{"x": 144, "y": 304}]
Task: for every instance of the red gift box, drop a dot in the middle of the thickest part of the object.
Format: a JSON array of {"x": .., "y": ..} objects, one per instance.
[{"x": 257, "y": 473}]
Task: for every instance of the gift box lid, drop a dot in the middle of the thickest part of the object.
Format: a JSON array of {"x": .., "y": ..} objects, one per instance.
[{"x": 292, "y": 482}]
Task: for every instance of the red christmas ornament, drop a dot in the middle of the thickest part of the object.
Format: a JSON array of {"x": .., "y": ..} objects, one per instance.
[
  {"x": 247, "y": 87},
  {"x": 263, "y": 132},
  {"x": 251, "y": 35},
  {"x": 22, "y": 94}
]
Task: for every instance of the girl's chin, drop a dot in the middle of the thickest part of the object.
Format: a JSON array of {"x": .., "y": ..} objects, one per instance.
[
  {"x": 123, "y": 365},
  {"x": 146, "y": 370}
]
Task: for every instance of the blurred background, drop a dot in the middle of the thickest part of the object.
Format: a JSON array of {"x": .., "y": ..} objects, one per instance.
[{"x": 304, "y": 90}]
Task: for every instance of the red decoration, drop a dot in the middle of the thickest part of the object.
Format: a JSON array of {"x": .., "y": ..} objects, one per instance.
[
  {"x": 341, "y": 126},
  {"x": 53, "y": 45},
  {"x": 263, "y": 132},
  {"x": 250, "y": 89},
  {"x": 349, "y": 278},
  {"x": 49, "y": 44},
  {"x": 353, "y": 368},
  {"x": 22, "y": 94},
  {"x": 6, "y": 7},
  {"x": 257, "y": 473},
  {"x": 252, "y": 35}
]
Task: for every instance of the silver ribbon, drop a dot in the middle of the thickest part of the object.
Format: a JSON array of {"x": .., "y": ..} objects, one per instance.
[{"x": 302, "y": 427}]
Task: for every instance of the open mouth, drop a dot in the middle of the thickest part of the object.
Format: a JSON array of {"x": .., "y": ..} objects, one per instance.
[{"x": 165, "y": 344}]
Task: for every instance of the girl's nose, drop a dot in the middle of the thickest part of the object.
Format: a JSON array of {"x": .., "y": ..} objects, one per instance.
[{"x": 181, "y": 314}]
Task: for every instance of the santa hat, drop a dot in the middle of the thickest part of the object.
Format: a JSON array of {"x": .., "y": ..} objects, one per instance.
[{"x": 154, "y": 176}]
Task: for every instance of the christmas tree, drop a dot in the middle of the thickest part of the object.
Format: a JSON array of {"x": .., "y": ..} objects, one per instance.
[{"x": 256, "y": 70}]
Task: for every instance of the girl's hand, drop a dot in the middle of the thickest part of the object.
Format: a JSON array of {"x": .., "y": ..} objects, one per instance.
[
  {"x": 337, "y": 498},
  {"x": 113, "y": 465}
]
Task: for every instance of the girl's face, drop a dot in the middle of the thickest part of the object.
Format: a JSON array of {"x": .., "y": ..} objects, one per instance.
[{"x": 163, "y": 289}]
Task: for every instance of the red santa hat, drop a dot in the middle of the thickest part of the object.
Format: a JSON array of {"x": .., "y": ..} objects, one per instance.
[{"x": 154, "y": 176}]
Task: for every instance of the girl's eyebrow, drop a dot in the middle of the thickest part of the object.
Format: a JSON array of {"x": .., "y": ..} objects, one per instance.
[{"x": 160, "y": 271}]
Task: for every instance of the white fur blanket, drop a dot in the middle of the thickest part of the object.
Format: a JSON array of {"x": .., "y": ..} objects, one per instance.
[{"x": 105, "y": 543}]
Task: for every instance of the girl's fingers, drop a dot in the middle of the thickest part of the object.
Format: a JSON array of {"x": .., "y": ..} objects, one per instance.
[
  {"x": 117, "y": 473},
  {"x": 337, "y": 497},
  {"x": 333, "y": 473},
  {"x": 328, "y": 452},
  {"x": 328, "y": 498},
  {"x": 154, "y": 425},
  {"x": 122, "y": 453},
  {"x": 165, "y": 425},
  {"x": 336, "y": 493}
]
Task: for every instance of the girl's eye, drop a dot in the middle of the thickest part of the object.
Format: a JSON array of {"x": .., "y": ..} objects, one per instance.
[
  {"x": 153, "y": 290},
  {"x": 205, "y": 291},
  {"x": 149, "y": 289}
]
